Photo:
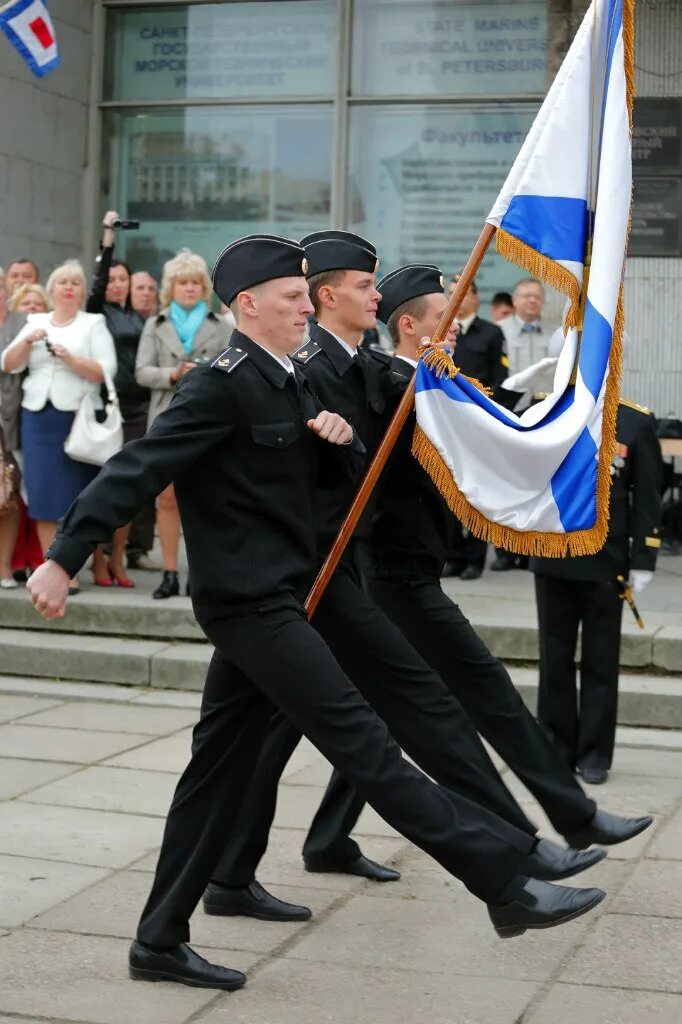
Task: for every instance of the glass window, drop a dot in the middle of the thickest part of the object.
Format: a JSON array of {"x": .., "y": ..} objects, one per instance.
[
  {"x": 201, "y": 177},
  {"x": 469, "y": 48},
  {"x": 221, "y": 50},
  {"x": 423, "y": 180}
]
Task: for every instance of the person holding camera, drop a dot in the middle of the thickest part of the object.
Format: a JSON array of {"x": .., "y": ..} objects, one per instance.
[
  {"x": 64, "y": 354},
  {"x": 110, "y": 294},
  {"x": 183, "y": 334}
]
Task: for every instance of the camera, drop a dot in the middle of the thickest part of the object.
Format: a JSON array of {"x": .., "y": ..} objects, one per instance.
[
  {"x": 125, "y": 225},
  {"x": 49, "y": 347}
]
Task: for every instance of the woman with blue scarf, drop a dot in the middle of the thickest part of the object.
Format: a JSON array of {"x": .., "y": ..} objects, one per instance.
[{"x": 183, "y": 334}]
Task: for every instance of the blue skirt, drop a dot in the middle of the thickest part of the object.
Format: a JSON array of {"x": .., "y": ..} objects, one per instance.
[{"x": 53, "y": 480}]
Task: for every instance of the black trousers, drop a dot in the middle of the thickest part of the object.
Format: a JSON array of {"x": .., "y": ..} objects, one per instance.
[
  {"x": 427, "y": 722},
  {"x": 275, "y": 658},
  {"x": 445, "y": 638},
  {"x": 584, "y": 731}
]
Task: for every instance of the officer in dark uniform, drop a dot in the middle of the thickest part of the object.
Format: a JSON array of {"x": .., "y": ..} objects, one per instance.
[
  {"x": 480, "y": 354},
  {"x": 428, "y": 722},
  {"x": 244, "y": 441},
  {"x": 585, "y": 591}
]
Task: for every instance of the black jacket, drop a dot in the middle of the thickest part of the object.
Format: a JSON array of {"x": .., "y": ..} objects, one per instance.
[
  {"x": 245, "y": 466},
  {"x": 354, "y": 387},
  {"x": 413, "y": 529},
  {"x": 125, "y": 327},
  {"x": 480, "y": 353},
  {"x": 633, "y": 539}
]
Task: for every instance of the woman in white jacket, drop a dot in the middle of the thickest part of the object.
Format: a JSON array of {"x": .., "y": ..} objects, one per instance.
[{"x": 65, "y": 353}]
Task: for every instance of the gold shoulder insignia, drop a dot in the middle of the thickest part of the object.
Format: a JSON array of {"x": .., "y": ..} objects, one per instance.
[
  {"x": 230, "y": 359},
  {"x": 306, "y": 352},
  {"x": 638, "y": 408}
]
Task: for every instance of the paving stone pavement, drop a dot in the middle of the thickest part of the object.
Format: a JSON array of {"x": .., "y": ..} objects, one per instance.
[{"x": 86, "y": 774}]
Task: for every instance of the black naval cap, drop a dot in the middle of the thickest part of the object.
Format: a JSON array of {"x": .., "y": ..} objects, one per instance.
[
  {"x": 338, "y": 250},
  {"x": 254, "y": 259},
  {"x": 407, "y": 283}
]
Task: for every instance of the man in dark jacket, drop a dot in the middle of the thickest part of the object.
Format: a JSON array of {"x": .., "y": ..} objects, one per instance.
[{"x": 586, "y": 591}]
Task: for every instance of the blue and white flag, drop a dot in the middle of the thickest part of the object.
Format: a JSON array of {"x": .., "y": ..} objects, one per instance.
[
  {"x": 539, "y": 482},
  {"x": 28, "y": 26}
]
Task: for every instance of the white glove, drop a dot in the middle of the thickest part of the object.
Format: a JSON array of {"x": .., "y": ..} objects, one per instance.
[
  {"x": 639, "y": 579},
  {"x": 523, "y": 379}
]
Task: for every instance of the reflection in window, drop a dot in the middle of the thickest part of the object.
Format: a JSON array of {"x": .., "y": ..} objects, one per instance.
[
  {"x": 221, "y": 50},
  {"x": 203, "y": 176},
  {"x": 423, "y": 180},
  {"x": 465, "y": 48}
]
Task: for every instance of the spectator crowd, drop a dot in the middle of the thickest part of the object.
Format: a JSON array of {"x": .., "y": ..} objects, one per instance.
[{"x": 60, "y": 344}]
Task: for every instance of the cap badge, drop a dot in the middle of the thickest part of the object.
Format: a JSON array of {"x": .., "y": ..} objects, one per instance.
[
  {"x": 376, "y": 266},
  {"x": 304, "y": 265},
  {"x": 442, "y": 281}
]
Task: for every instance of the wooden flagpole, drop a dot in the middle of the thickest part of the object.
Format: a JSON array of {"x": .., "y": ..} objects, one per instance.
[{"x": 395, "y": 426}]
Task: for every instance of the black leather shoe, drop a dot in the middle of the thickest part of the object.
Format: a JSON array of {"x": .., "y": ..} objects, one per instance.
[
  {"x": 472, "y": 572},
  {"x": 593, "y": 776},
  {"x": 361, "y": 866},
  {"x": 253, "y": 901},
  {"x": 607, "y": 830},
  {"x": 551, "y": 862},
  {"x": 503, "y": 563},
  {"x": 537, "y": 904},
  {"x": 181, "y": 964},
  {"x": 168, "y": 587}
]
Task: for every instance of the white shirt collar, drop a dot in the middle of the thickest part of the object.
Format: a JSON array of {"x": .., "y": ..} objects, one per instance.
[
  {"x": 285, "y": 363},
  {"x": 406, "y": 359},
  {"x": 466, "y": 321},
  {"x": 352, "y": 352},
  {"x": 522, "y": 323}
]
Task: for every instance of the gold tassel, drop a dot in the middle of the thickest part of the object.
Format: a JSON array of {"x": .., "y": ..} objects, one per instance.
[{"x": 440, "y": 362}]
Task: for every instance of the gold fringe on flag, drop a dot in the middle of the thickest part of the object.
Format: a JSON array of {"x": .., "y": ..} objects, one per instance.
[
  {"x": 442, "y": 364},
  {"x": 544, "y": 269},
  {"x": 535, "y": 542}
]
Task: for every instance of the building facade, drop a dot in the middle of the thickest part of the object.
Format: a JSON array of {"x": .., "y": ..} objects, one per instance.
[{"x": 397, "y": 119}]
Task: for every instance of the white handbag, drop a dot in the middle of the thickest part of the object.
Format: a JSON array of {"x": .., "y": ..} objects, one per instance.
[{"x": 91, "y": 440}]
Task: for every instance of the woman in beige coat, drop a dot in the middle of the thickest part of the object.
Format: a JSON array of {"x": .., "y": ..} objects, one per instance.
[{"x": 183, "y": 334}]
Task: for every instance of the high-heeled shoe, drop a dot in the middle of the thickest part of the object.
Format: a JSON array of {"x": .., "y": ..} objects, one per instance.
[
  {"x": 120, "y": 579},
  {"x": 169, "y": 586},
  {"x": 101, "y": 581}
]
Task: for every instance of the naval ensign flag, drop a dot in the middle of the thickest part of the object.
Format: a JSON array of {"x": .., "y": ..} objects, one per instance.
[
  {"x": 28, "y": 25},
  {"x": 539, "y": 483}
]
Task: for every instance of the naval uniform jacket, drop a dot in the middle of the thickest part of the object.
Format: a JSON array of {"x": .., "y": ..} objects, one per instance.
[
  {"x": 634, "y": 515},
  {"x": 234, "y": 441},
  {"x": 353, "y": 387},
  {"x": 414, "y": 529},
  {"x": 480, "y": 353}
]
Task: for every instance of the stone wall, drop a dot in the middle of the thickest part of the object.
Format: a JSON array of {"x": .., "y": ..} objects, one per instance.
[{"x": 43, "y": 141}]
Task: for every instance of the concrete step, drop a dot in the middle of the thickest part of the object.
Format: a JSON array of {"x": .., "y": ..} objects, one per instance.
[
  {"x": 654, "y": 701},
  {"x": 107, "y": 613},
  {"x": 645, "y": 700},
  {"x": 103, "y": 659},
  {"x": 511, "y": 633}
]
